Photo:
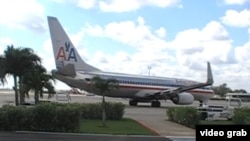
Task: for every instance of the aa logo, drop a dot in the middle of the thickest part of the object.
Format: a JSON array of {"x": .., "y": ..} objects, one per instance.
[{"x": 66, "y": 53}]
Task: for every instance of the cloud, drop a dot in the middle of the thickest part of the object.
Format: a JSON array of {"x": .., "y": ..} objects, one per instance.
[
  {"x": 242, "y": 52},
  {"x": 132, "y": 5},
  {"x": 236, "y": 19},
  {"x": 119, "y": 6},
  {"x": 210, "y": 43},
  {"x": 161, "y": 32},
  {"x": 86, "y": 4},
  {"x": 189, "y": 45},
  {"x": 185, "y": 56},
  {"x": 28, "y": 14},
  {"x": 133, "y": 33},
  {"x": 236, "y": 2}
]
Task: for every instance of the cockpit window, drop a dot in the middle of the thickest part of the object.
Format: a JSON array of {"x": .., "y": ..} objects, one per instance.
[{"x": 87, "y": 79}]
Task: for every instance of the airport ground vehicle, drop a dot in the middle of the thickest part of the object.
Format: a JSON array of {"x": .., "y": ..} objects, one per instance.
[
  {"x": 242, "y": 96},
  {"x": 220, "y": 112}
]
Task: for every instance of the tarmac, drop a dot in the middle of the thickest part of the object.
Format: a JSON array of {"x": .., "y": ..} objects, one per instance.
[{"x": 156, "y": 120}]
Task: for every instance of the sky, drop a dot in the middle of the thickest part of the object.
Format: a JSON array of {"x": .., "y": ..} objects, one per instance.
[{"x": 168, "y": 38}]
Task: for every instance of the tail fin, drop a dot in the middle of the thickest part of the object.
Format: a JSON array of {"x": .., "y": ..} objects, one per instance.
[
  {"x": 210, "y": 79},
  {"x": 64, "y": 51}
]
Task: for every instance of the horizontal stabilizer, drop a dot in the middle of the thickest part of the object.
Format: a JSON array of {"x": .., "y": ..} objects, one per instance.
[{"x": 68, "y": 70}]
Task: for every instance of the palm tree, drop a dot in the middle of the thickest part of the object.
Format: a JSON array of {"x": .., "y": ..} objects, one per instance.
[
  {"x": 29, "y": 61},
  {"x": 8, "y": 66},
  {"x": 37, "y": 79},
  {"x": 104, "y": 85},
  {"x": 16, "y": 62},
  {"x": 2, "y": 70}
]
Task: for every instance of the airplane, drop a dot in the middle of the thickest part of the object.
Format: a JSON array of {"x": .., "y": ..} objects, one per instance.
[{"x": 75, "y": 72}]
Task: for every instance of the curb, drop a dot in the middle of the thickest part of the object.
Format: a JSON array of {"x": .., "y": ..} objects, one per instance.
[{"x": 149, "y": 128}]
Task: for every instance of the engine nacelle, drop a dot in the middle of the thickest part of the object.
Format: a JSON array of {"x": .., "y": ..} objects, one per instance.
[{"x": 183, "y": 98}]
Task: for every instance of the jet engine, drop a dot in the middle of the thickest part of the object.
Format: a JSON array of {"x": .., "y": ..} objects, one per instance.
[{"x": 183, "y": 98}]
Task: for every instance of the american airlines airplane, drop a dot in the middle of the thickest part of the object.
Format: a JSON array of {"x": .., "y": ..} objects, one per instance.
[{"x": 76, "y": 73}]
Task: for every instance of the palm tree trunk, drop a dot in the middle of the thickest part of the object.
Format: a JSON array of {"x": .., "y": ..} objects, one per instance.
[
  {"x": 103, "y": 111},
  {"x": 36, "y": 96},
  {"x": 21, "y": 92},
  {"x": 15, "y": 89}
]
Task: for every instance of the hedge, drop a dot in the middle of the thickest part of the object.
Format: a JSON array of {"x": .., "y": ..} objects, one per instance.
[
  {"x": 187, "y": 116},
  {"x": 241, "y": 116},
  {"x": 55, "y": 117},
  {"x": 114, "y": 111}
]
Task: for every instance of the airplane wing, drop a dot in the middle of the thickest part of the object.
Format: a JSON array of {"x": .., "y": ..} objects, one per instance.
[
  {"x": 169, "y": 93},
  {"x": 193, "y": 86}
]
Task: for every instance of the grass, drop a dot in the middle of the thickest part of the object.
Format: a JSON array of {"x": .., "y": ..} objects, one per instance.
[
  {"x": 216, "y": 122},
  {"x": 120, "y": 127}
]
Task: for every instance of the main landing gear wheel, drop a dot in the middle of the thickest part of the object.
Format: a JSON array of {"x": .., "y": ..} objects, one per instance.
[
  {"x": 133, "y": 103},
  {"x": 201, "y": 103},
  {"x": 155, "y": 104}
]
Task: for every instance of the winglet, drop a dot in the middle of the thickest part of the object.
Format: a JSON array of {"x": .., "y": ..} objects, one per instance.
[{"x": 209, "y": 74}]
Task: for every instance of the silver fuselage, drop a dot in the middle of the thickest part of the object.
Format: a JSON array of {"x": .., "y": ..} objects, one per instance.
[{"x": 134, "y": 86}]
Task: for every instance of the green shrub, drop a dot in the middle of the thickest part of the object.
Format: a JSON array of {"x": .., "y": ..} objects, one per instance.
[
  {"x": 202, "y": 115},
  {"x": 55, "y": 117},
  {"x": 64, "y": 116},
  {"x": 170, "y": 113},
  {"x": 241, "y": 116},
  {"x": 114, "y": 111},
  {"x": 92, "y": 111},
  {"x": 12, "y": 117},
  {"x": 187, "y": 116},
  {"x": 42, "y": 117}
]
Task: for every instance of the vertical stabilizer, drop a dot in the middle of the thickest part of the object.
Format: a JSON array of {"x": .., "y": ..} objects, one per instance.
[
  {"x": 64, "y": 51},
  {"x": 210, "y": 79}
]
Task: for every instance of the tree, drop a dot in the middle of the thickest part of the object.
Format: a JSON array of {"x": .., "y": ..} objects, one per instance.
[
  {"x": 2, "y": 69},
  {"x": 37, "y": 79},
  {"x": 29, "y": 61},
  {"x": 239, "y": 91},
  {"x": 222, "y": 89},
  {"x": 104, "y": 85},
  {"x": 16, "y": 62}
]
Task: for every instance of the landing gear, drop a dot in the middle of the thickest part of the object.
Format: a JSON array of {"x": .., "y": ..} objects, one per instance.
[
  {"x": 156, "y": 103},
  {"x": 133, "y": 103},
  {"x": 201, "y": 103}
]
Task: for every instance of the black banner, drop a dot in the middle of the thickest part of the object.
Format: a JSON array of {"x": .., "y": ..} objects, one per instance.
[{"x": 223, "y": 132}]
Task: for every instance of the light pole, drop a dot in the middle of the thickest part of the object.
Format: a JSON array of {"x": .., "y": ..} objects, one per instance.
[{"x": 149, "y": 68}]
